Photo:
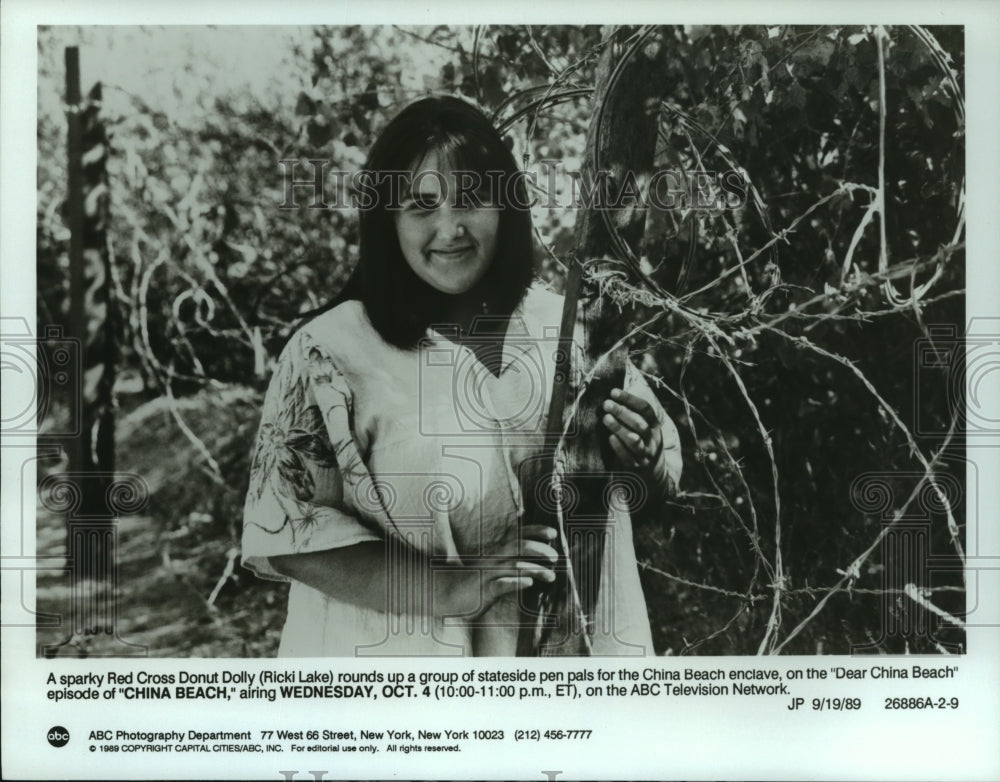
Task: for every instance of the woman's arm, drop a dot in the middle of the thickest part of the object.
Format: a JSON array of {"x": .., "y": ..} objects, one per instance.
[
  {"x": 354, "y": 574},
  {"x": 360, "y": 574}
]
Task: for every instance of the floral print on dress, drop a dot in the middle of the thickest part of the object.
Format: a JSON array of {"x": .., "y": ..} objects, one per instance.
[{"x": 297, "y": 499}]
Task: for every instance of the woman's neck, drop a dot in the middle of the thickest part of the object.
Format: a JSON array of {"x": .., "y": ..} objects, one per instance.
[
  {"x": 471, "y": 314},
  {"x": 479, "y": 329}
]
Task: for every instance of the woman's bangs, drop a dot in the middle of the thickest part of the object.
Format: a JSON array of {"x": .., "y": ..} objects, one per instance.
[{"x": 465, "y": 152}]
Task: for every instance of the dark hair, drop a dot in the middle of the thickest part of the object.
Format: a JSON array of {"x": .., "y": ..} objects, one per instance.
[{"x": 399, "y": 304}]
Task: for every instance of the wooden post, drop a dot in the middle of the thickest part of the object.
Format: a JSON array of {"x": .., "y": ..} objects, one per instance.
[
  {"x": 74, "y": 197},
  {"x": 92, "y": 522}
]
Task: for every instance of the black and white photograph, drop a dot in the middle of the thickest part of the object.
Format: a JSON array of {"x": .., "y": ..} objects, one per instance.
[
  {"x": 324, "y": 278},
  {"x": 358, "y": 352}
]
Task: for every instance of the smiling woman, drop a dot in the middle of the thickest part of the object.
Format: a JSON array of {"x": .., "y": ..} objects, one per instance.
[
  {"x": 449, "y": 244},
  {"x": 387, "y": 481},
  {"x": 410, "y": 171}
]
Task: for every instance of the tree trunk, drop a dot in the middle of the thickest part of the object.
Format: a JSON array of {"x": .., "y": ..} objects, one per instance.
[{"x": 622, "y": 142}]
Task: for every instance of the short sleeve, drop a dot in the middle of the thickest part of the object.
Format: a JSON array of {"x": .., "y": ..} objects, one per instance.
[
  {"x": 296, "y": 499},
  {"x": 669, "y": 472}
]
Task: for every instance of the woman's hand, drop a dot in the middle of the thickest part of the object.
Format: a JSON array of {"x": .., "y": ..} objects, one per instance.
[
  {"x": 470, "y": 589},
  {"x": 635, "y": 436}
]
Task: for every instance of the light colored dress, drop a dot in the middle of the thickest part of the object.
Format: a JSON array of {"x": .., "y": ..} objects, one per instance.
[{"x": 361, "y": 441}]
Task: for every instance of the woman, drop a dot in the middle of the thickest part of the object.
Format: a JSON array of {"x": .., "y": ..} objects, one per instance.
[{"x": 386, "y": 482}]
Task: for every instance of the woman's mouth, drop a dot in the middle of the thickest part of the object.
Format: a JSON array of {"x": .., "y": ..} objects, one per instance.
[{"x": 451, "y": 253}]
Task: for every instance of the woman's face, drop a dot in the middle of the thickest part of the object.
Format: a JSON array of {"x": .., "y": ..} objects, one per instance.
[{"x": 449, "y": 245}]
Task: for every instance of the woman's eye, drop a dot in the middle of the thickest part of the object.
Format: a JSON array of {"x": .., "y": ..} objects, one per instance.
[{"x": 424, "y": 203}]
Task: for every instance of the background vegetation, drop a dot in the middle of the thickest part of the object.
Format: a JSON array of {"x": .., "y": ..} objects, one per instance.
[{"x": 784, "y": 345}]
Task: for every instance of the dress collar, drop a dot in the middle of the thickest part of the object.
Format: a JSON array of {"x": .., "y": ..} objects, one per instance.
[{"x": 533, "y": 323}]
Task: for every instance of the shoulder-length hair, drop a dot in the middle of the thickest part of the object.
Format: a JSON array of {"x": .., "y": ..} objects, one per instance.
[{"x": 398, "y": 303}]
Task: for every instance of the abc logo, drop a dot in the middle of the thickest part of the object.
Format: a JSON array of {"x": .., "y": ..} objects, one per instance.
[{"x": 58, "y": 736}]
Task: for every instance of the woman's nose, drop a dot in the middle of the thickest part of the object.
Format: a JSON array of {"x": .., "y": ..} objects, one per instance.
[{"x": 449, "y": 222}]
